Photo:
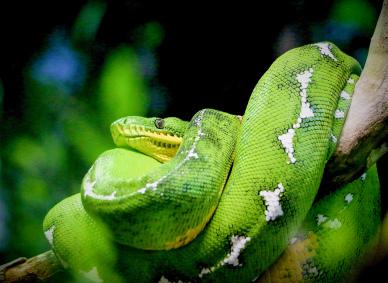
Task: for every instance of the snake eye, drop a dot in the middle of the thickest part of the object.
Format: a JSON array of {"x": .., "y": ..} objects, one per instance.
[{"x": 159, "y": 123}]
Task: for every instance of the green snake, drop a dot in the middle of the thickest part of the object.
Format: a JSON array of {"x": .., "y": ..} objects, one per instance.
[{"x": 184, "y": 213}]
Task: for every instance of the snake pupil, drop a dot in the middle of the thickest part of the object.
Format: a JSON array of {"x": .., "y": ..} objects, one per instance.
[{"x": 159, "y": 123}]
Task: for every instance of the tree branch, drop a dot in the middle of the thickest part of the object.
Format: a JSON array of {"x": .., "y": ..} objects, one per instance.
[
  {"x": 363, "y": 141},
  {"x": 365, "y": 130},
  {"x": 35, "y": 269}
]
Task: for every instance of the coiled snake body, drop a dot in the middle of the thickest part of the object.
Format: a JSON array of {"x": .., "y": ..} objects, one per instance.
[{"x": 188, "y": 220}]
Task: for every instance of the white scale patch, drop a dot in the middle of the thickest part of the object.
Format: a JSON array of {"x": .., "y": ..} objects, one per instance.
[
  {"x": 333, "y": 138},
  {"x": 286, "y": 139},
  {"x": 363, "y": 176},
  {"x": 165, "y": 280},
  {"x": 49, "y": 234},
  {"x": 345, "y": 95},
  {"x": 92, "y": 275},
  {"x": 325, "y": 49},
  {"x": 350, "y": 81},
  {"x": 334, "y": 224},
  {"x": 89, "y": 192},
  {"x": 349, "y": 198},
  {"x": 339, "y": 114},
  {"x": 64, "y": 263},
  {"x": 293, "y": 240},
  {"x": 190, "y": 155},
  {"x": 320, "y": 219},
  {"x": 304, "y": 79},
  {"x": 312, "y": 271},
  {"x": 198, "y": 119},
  {"x": 255, "y": 279},
  {"x": 272, "y": 203},
  {"x": 205, "y": 271},
  {"x": 153, "y": 186},
  {"x": 238, "y": 244}
]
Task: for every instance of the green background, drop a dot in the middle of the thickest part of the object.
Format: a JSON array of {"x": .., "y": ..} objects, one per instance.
[{"x": 70, "y": 69}]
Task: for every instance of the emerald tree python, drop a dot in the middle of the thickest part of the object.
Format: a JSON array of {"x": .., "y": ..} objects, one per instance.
[{"x": 182, "y": 212}]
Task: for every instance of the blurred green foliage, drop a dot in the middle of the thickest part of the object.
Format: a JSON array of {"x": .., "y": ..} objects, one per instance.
[
  {"x": 358, "y": 13},
  {"x": 65, "y": 123},
  {"x": 122, "y": 90}
]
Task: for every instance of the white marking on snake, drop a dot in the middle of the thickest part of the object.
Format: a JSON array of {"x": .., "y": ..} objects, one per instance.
[
  {"x": 320, "y": 219},
  {"x": 205, "y": 271},
  {"x": 92, "y": 275},
  {"x": 325, "y": 49},
  {"x": 333, "y": 138},
  {"x": 363, "y": 176},
  {"x": 238, "y": 244},
  {"x": 350, "y": 81},
  {"x": 272, "y": 202},
  {"x": 334, "y": 224},
  {"x": 165, "y": 280},
  {"x": 255, "y": 279},
  {"x": 349, "y": 198},
  {"x": 309, "y": 270},
  {"x": 198, "y": 120},
  {"x": 153, "y": 186},
  {"x": 313, "y": 271},
  {"x": 89, "y": 191},
  {"x": 345, "y": 95},
  {"x": 64, "y": 263},
  {"x": 190, "y": 155},
  {"x": 304, "y": 79},
  {"x": 293, "y": 240},
  {"x": 49, "y": 234},
  {"x": 286, "y": 139},
  {"x": 339, "y": 114}
]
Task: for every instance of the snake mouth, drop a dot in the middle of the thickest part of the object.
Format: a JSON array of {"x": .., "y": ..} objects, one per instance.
[
  {"x": 134, "y": 132},
  {"x": 160, "y": 144},
  {"x": 158, "y": 141}
]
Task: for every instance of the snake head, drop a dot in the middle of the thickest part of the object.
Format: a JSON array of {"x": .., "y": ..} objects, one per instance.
[{"x": 155, "y": 137}]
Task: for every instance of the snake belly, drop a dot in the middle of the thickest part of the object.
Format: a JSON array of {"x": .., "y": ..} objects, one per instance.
[{"x": 290, "y": 124}]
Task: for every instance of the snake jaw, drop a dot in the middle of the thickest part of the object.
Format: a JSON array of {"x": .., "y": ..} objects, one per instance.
[
  {"x": 160, "y": 144},
  {"x": 155, "y": 137}
]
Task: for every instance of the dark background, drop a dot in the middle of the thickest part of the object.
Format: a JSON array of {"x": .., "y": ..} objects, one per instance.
[{"x": 65, "y": 67}]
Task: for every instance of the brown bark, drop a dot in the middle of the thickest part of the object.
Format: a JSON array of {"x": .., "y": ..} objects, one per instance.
[
  {"x": 35, "y": 269},
  {"x": 364, "y": 136}
]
